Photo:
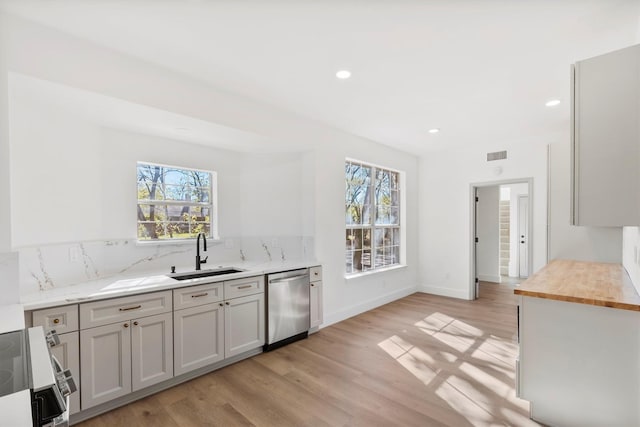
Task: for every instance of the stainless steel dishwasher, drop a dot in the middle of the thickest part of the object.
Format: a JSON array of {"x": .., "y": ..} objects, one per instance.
[{"x": 288, "y": 317}]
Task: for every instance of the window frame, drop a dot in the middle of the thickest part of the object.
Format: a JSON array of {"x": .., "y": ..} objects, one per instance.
[
  {"x": 372, "y": 226},
  {"x": 212, "y": 206}
]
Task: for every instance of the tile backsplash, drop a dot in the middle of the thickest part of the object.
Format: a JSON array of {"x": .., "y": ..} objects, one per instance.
[{"x": 49, "y": 266}]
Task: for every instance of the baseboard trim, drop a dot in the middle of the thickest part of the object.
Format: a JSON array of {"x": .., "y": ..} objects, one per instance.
[
  {"x": 489, "y": 278},
  {"x": 354, "y": 310},
  {"x": 445, "y": 292}
]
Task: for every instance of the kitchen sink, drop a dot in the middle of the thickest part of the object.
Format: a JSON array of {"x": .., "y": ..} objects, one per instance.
[{"x": 204, "y": 273}]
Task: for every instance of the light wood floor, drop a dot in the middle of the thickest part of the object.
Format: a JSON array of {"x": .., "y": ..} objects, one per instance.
[{"x": 419, "y": 361}]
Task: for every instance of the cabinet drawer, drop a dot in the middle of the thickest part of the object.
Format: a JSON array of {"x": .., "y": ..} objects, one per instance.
[
  {"x": 62, "y": 319},
  {"x": 119, "y": 309},
  {"x": 242, "y": 287},
  {"x": 315, "y": 273},
  {"x": 197, "y": 295}
]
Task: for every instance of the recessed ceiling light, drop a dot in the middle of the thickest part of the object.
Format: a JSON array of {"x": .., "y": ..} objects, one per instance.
[
  {"x": 553, "y": 103},
  {"x": 434, "y": 130},
  {"x": 343, "y": 74}
]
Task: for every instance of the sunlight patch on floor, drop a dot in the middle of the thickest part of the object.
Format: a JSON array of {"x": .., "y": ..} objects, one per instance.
[
  {"x": 496, "y": 386},
  {"x": 434, "y": 323},
  {"x": 464, "y": 406},
  {"x": 410, "y": 357}
]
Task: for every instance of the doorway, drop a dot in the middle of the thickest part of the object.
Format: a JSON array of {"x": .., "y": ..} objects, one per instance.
[{"x": 501, "y": 247}]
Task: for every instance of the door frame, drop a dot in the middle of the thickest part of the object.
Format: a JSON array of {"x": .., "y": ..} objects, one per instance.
[
  {"x": 473, "y": 293},
  {"x": 520, "y": 199}
]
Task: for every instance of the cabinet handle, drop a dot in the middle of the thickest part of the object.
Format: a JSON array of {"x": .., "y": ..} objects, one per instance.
[
  {"x": 245, "y": 287},
  {"x": 126, "y": 325},
  {"x": 131, "y": 308},
  {"x": 135, "y": 323},
  {"x": 56, "y": 321},
  {"x": 221, "y": 305},
  {"x": 200, "y": 295},
  {"x": 312, "y": 285},
  {"x": 227, "y": 303}
]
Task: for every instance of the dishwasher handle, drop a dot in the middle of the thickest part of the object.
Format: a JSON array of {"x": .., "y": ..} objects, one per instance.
[{"x": 289, "y": 279}]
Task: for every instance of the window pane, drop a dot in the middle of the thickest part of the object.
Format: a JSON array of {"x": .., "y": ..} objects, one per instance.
[
  {"x": 357, "y": 195},
  {"x": 371, "y": 195},
  {"x": 366, "y": 238},
  {"x": 379, "y": 237},
  {"x": 396, "y": 236},
  {"x": 170, "y": 219}
]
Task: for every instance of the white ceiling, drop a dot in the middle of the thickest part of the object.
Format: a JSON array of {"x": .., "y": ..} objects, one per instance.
[{"x": 481, "y": 70}]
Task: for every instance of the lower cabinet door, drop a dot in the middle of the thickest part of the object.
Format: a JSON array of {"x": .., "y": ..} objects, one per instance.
[
  {"x": 105, "y": 363},
  {"x": 198, "y": 337},
  {"x": 244, "y": 324},
  {"x": 315, "y": 302},
  {"x": 68, "y": 354},
  {"x": 151, "y": 350}
]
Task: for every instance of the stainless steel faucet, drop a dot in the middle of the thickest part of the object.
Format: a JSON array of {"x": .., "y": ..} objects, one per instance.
[{"x": 204, "y": 249}]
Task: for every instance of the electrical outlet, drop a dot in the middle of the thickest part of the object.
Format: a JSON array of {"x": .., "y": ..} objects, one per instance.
[
  {"x": 275, "y": 243},
  {"x": 228, "y": 243},
  {"x": 74, "y": 254}
]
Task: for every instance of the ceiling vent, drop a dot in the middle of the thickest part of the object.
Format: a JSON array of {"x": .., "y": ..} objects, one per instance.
[{"x": 497, "y": 155}]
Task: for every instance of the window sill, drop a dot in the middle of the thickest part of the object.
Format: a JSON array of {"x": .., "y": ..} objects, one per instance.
[{"x": 372, "y": 272}]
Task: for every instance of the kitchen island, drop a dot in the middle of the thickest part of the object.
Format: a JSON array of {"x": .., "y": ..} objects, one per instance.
[{"x": 579, "y": 333}]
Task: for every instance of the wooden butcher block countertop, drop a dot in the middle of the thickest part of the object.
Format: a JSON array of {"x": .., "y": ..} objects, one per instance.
[{"x": 594, "y": 283}]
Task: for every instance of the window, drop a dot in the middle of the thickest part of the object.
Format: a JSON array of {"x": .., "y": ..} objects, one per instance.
[
  {"x": 372, "y": 207},
  {"x": 175, "y": 203}
]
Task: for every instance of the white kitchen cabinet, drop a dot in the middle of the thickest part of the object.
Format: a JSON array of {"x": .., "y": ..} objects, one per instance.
[
  {"x": 315, "y": 301},
  {"x": 198, "y": 336},
  {"x": 61, "y": 319},
  {"x": 105, "y": 363},
  {"x": 606, "y": 139},
  {"x": 315, "y": 297},
  {"x": 578, "y": 363},
  {"x": 244, "y": 324},
  {"x": 151, "y": 350},
  {"x": 126, "y": 356}
]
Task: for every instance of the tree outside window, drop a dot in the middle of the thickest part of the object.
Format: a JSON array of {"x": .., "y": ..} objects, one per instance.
[
  {"x": 175, "y": 203},
  {"x": 372, "y": 208}
]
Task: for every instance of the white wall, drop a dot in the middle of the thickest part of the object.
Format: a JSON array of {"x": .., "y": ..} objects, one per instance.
[
  {"x": 8, "y": 261},
  {"x": 40, "y": 52},
  {"x": 446, "y": 210},
  {"x": 602, "y": 244},
  {"x": 488, "y": 233},
  {"x": 346, "y": 297}
]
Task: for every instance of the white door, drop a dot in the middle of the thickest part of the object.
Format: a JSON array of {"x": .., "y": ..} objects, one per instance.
[
  {"x": 151, "y": 350},
  {"x": 198, "y": 336},
  {"x": 105, "y": 363},
  {"x": 244, "y": 324},
  {"x": 523, "y": 236}
]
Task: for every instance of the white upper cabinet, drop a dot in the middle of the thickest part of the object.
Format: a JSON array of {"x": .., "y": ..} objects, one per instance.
[{"x": 606, "y": 139}]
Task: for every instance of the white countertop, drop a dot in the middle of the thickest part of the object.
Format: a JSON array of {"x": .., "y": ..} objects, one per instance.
[
  {"x": 117, "y": 286},
  {"x": 11, "y": 318}
]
